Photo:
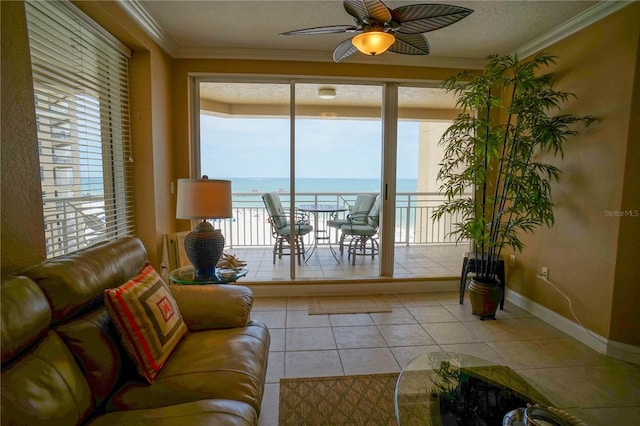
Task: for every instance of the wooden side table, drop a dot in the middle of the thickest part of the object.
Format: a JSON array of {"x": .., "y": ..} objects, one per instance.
[
  {"x": 186, "y": 276},
  {"x": 469, "y": 265}
]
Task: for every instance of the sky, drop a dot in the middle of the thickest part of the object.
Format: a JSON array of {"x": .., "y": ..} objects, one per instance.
[{"x": 259, "y": 147}]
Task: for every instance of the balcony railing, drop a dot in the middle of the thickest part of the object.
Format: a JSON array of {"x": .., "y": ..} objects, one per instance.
[
  {"x": 72, "y": 223},
  {"x": 414, "y": 223}
]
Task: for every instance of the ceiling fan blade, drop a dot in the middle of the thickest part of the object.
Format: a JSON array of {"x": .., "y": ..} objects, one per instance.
[
  {"x": 344, "y": 49},
  {"x": 332, "y": 29},
  {"x": 410, "y": 44},
  {"x": 365, "y": 10},
  {"x": 422, "y": 18}
]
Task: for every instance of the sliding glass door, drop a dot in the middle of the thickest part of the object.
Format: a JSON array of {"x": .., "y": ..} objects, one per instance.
[
  {"x": 323, "y": 149},
  {"x": 338, "y": 136},
  {"x": 424, "y": 248},
  {"x": 244, "y": 136}
]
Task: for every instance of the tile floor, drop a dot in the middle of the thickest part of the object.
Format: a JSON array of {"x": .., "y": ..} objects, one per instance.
[
  {"x": 442, "y": 260},
  {"x": 598, "y": 389}
]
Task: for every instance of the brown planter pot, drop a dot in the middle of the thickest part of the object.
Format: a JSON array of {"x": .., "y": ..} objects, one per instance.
[{"x": 485, "y": 297}]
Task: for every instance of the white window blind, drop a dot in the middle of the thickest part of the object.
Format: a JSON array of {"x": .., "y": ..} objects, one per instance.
[{"x": 80, "y": 80}]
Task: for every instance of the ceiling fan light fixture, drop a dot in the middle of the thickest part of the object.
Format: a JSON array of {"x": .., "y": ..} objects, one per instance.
[
  {"x": 327, "y": 93},
  {"x": 373, "y": 42}
]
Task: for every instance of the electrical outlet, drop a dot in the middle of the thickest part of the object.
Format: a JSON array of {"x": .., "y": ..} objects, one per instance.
[
  {"x": 544, "y": 273},
  {"x": 512, "y": 260}
]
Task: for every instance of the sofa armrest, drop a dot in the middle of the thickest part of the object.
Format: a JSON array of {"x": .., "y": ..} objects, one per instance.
[{"x": 213, "y": 306}]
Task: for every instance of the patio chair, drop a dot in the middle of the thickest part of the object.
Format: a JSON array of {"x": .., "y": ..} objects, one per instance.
[
  {"x": 282, "y": 230},
  {"x": 360, "y": 209},
  {"x": 364, "y": 237}
]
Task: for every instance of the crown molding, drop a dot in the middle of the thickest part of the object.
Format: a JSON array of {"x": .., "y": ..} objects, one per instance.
[
  {"x": 316, "y": 56},
  {"x": 149, "y": 25},
  {"x": 583, "y": 20}
]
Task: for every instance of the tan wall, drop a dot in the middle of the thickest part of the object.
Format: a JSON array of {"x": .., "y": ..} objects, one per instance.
[
  {"x": 22, "y": 217},
  {"x": 586, "y": 254},
  {"x": 626, "y": 295}
]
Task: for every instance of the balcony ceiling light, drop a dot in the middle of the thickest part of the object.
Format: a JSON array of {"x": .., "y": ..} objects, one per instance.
[{"x": 327, "y": 93}]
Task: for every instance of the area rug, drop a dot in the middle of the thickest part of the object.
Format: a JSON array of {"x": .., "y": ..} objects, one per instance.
[
  {"x": 340, "y": 400},
  {"x": 347, "y": 305}
]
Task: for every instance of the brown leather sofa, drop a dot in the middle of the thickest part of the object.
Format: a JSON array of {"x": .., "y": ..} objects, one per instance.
[{"x": 63, "y": 362}]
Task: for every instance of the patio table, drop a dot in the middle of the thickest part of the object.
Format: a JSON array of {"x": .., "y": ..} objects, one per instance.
[{"x": 324, "y": 210}]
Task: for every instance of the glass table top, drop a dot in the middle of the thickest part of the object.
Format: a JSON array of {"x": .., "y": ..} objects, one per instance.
[
  {"x": 186, "y": 276},
  {"x": 446, "y": 388}
]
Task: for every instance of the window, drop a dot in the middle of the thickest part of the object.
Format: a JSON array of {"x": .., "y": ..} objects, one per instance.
[
  {"x": 80, "y": 79},
  {"x": 63, "y": 176}
]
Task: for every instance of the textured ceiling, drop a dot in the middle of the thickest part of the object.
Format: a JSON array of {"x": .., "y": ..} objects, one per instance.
[{"x": 251, "y": 28}]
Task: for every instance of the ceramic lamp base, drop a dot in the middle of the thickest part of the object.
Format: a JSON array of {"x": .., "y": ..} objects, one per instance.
[{"x": 204, "y": 246}]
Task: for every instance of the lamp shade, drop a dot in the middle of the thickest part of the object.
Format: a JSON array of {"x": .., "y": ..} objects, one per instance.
[
  {"x": 373, "y": 42},
  {"x": 203, "y": 199}
]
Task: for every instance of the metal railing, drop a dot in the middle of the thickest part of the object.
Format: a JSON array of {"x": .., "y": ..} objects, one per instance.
[
  {"x": 414, "y": 223},
  {"x": 73, "y": 223}
]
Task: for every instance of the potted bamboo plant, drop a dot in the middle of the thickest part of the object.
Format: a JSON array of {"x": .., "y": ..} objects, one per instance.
[{"x": 510, "y": 120}]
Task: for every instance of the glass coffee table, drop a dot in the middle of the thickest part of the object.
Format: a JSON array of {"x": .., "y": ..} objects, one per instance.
[
  {"x": 446, "y": 388},
  {"x": 186, "y": 276}
]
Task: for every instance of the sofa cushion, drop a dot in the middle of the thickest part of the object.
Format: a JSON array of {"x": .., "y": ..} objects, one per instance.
[
  {"x": 25, "y": 316},
  {"x": 205, "y": 413},
  {"x": 45, "y": 387},
  {"x": 209, "y": 364},
  {"x": 205, "y": 307},
  {"x": 147, "y": 319},
  {"x": 98, "y": 350},
  {"x": 74, "y": 283}
]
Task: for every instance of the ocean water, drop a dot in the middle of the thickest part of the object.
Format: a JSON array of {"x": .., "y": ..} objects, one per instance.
[{"x": 316, "y": 185}]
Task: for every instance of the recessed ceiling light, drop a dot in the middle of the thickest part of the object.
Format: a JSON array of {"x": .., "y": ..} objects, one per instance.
[{"x": 327, "y": 93}]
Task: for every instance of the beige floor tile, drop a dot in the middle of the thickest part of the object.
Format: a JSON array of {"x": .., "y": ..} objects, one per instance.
[
  {"x": 397, "y": 316},
  {"x": 269, "y": 410},
  {"x": 463, "y": 312},
  {"x": 343, "y": 320},
  {"x": 269, "y": 304},
  {"x": 450, "y": 332},
  {"x": 418, "y": 299},
  {"x": 312, "y": 364},
  {"x": 570, "y": 352},
  {"x": 405, "y": 354},
  {"x": 273, "y": 319},
  {"x": 525, "y": 354},
  {"x": 277, "y": 339},
  {"x": 479, "y": 350},
  {"x": 589, "y": 387},
  {"x": 297, "y": 303},
  {"x": 618, "y": 416},
  {"x": 406, "y": 335},
  {"x": 358, "y": 337},
  {"x": 431, "y": 314},
  {"x": 368, "y": 361},
  {"x": 512, "y": 329},
  {"x": 275, "y": 369},
  {"x": 309, "y": 339},
  {"x": 301, "y": 319}
]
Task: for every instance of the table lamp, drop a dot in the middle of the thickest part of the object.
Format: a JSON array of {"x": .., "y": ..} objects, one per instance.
[{"x": 204, "y": 199}]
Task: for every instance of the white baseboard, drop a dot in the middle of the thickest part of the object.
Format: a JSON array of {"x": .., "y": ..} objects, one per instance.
[{"x": 595, "y": 341}]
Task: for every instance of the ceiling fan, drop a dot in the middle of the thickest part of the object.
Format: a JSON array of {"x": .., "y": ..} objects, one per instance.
[{"x": 380, "y": 28}]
